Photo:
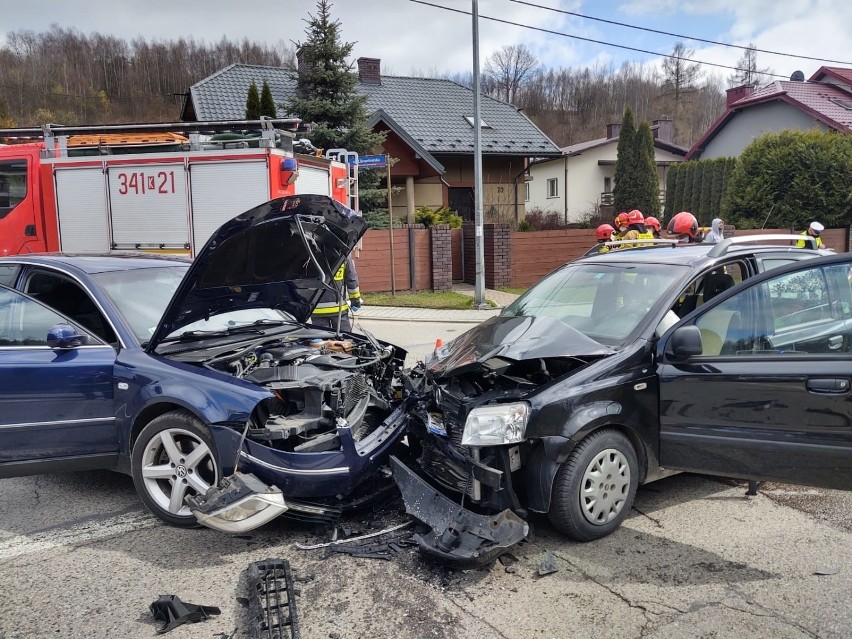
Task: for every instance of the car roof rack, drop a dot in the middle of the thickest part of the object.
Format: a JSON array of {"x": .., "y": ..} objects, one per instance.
[
  {"x": 725, "y": 245},
  {"x": 630, "y": 244}
]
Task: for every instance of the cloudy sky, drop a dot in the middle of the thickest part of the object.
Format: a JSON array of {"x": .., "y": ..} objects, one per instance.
[{"x": 410, "y": 37}]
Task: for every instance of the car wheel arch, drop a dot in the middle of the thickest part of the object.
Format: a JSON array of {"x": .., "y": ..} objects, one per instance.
[
  {"x": 151, "y": 412},
  {"x": 542, "y": 465}
]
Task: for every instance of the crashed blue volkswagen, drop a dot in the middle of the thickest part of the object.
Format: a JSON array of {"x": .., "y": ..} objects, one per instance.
[{"x": 202, "y": 380}]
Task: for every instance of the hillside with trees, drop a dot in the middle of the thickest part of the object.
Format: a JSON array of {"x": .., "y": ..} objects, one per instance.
[{"x": 65, "y": 76}]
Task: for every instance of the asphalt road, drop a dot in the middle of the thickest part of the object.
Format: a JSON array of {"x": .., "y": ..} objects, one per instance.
[{"x": 79, "y": 557}]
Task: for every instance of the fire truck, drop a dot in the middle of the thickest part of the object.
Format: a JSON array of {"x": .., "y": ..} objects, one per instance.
[{"x": 156, "y": 187}]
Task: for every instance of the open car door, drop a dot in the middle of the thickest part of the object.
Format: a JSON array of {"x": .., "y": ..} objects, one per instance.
[{"x": 757, "y": 385}]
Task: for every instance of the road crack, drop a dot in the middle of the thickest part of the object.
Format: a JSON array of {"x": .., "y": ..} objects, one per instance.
[
  {"x": 656, "y": 521},
  {"x": 494, "y": 628}
]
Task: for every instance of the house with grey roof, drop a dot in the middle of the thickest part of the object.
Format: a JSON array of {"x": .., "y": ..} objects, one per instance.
[
  {"x": 578, "y": 185},
  {"x": 823, "y": 101},
  {"x": 429, "y": 129}
]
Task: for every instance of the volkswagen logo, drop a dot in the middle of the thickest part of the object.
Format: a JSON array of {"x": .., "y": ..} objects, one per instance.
[{"x": 180, "y": 471}]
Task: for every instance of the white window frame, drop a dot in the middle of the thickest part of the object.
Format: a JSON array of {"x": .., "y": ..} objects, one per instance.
[
  {"x": 552, "y": 187},
  {"x": 526, "y": 191}
]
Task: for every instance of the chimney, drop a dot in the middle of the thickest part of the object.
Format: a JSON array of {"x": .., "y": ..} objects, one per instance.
[
  {"x": 613, "y": 130},
  {"x": 370, "y": 70},
  {"x": 738, "y": 93},
  {"x": 664, "y": 129}
]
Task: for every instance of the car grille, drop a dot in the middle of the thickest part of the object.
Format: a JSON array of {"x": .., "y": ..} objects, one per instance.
[
  {"x": 355, "y": 390},
  {"x": 446, "y": 472}
]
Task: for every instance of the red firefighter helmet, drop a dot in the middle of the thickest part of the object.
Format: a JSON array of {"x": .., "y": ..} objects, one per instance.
[
  {"x": 684, "y": 223},
  {"x": 604, "y": 232},
  {"x": 652, "y": 223},
  {"x": 621, "y": 220},
  {"x": 635, "y": 217}
]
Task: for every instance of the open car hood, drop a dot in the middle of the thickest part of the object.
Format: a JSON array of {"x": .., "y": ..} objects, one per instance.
[
  {"x": 516, "y": 338},
  {"x": 266, "y": 257}
]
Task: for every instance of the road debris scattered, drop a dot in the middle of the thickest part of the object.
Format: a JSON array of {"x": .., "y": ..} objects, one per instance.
[
  {"x": 272, "y": 600},
  {"x": 173, "y": 612},
  {"x": 547, "y": 565}
]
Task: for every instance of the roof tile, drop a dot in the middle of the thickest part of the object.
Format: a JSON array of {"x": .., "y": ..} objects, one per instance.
[{"x": 431, "y": 110}]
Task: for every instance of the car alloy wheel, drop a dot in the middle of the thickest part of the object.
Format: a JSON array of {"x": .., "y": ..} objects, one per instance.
[
  {"x": 595, "y": 487},
  {"x": 173, "y": 459}
]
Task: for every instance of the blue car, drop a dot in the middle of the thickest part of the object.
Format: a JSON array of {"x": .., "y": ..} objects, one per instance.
[{"x": 201, "y": 379}]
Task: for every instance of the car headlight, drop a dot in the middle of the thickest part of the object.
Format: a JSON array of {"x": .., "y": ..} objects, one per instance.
[{"x": 495, "y": 425}]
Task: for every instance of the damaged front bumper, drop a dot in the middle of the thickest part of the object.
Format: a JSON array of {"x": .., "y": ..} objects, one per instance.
[
  {"x": 313, "y": 485},
  {"x": 457, "y": 537}
]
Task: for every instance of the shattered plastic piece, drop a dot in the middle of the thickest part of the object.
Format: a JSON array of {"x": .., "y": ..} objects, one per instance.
[
  {"x": 385, "y": 547},
  {"x": 241, "y": 502},
  {"x": 457, "y": 537},
  {"x": 547, "y": 565},
  {"x": 335, "y": 542},
  {"x": 508, "y": 559},
  {"x": 173, "y": 612},
  {"x": 272, "y": 600},
  {"x": 833, "y": 570}
]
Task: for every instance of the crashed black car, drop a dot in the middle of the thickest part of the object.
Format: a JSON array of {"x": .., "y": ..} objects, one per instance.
[{"x": 618, "y": 369}]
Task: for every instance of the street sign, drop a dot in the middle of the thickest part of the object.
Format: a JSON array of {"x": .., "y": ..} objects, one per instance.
[{"x": 371, "y": 161}]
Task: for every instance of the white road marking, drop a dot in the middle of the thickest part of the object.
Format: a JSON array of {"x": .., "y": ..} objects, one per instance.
[{"x": 20, "y": 545}]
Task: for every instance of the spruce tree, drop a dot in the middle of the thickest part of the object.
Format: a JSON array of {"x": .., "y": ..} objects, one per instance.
[
  {"x": 647, "y": 179},
  {"x": 267, "y": 104},
  {"x": 624, "y": 191},
  {"x": 695, "y": 200},
  {"x": 326, "y": 88},
  {"x": 327, "y": 98},
  {"x": 253, "y": 103},
  {"x": 688, "y": 177}
]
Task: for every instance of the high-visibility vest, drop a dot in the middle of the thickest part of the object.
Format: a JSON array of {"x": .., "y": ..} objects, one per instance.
[
  {"x": 805, "y": 243},
  {"x": 345, "y": 281}
]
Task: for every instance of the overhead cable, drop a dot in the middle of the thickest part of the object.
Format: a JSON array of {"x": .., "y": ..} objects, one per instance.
[
  {"x": 678, "y": 35},
  {"x": 601, "y": 42}
]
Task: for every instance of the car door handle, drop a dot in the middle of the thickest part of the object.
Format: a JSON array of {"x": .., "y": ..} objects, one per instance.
[{"x": 837, "y": 385}]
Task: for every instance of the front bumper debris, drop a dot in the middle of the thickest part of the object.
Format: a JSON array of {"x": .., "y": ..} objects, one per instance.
[
  {"x": 272, "y": 600},
  {"x": 457, "y": 537},
  {"x": 241, "y": 502}
]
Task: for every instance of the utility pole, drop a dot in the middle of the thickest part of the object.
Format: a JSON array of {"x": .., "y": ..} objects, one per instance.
[{"x": 479, "y": 287}]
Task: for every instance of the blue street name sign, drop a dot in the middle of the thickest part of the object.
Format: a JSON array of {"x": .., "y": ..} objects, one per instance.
[{"x": 371, "y": 161}]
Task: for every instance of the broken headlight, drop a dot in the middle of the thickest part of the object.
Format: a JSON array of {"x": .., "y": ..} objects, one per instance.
[{"x": 495, "y": 425}]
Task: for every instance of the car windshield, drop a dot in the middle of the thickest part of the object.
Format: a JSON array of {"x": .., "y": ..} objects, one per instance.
[
  {"x": 141, "y": 295},
  {"x": 606, "y": 302}
]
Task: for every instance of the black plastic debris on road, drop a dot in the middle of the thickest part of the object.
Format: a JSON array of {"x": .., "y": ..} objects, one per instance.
[
  {"x": 173, "y": 612},
  {"x": 547, "y": 565},
  {"x": 272, "y": 600}
]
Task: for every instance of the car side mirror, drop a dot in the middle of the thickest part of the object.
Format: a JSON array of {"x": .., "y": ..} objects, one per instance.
[
  {"x": 65, "y": 336},
  {"x": 685, "y": 342}
]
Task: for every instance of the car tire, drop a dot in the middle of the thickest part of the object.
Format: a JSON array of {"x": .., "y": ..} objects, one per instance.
[
  {"x": 174, "y": 452},
  {"x": 595, "y": 487}
]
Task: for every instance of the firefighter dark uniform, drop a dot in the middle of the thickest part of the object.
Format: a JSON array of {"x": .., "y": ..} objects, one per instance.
[{"x": 331, "y": 304}]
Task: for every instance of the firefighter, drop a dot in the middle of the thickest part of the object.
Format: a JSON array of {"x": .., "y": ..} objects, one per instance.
[
  {"x": 813, "y": 231},
  {"x": 685, "y": 227},
  {"x": 605, "y": 233},
  {"x": 653, "y": 225},
  {"x": 636, "y": 227},
  {"x": 621, "y": 225},
  {"x": 338, "y": 302}
]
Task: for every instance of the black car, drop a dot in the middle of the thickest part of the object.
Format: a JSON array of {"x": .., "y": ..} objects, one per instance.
[{"x": 617, "y": 369}]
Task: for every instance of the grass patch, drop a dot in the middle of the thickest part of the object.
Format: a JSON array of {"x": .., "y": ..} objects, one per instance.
[
  {"x": 423, "y": 299},
  {"x": 513, "y": 290}
]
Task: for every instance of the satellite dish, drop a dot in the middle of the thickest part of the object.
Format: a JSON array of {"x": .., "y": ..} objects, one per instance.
[{"x": 797, "y": 76}]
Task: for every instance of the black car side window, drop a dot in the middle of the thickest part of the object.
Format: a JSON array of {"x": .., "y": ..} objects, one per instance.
[{"x": 806, "y": 312}]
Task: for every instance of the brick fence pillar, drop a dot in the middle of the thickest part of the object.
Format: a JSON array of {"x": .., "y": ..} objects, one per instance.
[
  {"x": 497, "y": 247},
  {"x": 442, "y": 258},
  {"x": 498, "y": 255}
]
